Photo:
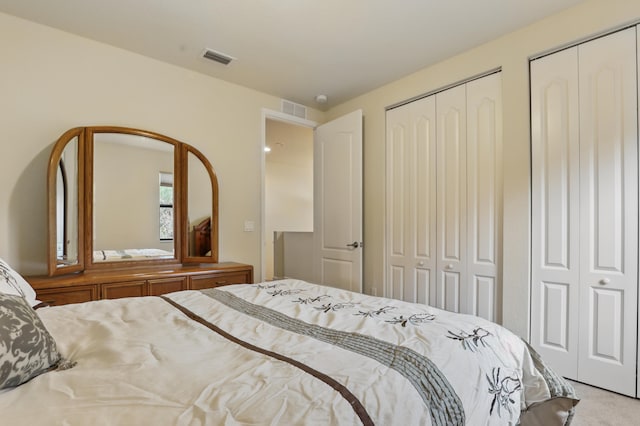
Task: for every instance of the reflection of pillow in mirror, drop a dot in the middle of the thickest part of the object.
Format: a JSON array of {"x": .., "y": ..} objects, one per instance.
[
  {"x": 12, "y": 282},
  {"x": 208, "y": 253},
  {"x": 26, "y": 347}
]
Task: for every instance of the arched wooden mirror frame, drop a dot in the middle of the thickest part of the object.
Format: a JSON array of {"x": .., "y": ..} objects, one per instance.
[{"x": 85, "y": 208}]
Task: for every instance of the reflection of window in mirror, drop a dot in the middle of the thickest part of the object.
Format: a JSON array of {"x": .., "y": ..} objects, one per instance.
[{"x": 166, "y": 206}]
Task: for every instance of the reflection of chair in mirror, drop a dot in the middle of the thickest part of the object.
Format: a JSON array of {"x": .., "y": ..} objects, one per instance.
[{"x": 202, "y": 237}]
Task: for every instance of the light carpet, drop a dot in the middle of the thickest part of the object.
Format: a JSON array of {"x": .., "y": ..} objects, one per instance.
[{"x": 603, "y": 408}]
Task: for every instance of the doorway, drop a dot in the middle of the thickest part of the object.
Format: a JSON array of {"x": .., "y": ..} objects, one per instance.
[
  {"x": 336, "y": 240},
  {"x": 287, "y": 200}
]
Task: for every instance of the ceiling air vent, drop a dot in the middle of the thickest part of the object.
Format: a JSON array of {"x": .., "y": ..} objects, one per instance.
[
  {"x": 217, "y": 56},
  {"x": 293, "y": 108}
]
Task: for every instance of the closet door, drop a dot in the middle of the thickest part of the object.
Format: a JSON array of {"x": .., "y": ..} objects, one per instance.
[
  {"x": 484, "y": 197},
  {"x": 609, "y": 212},
  {"x": 411, "y": 203},
  {"x": 585, "y": 211},
  {"x": 451, "y": 199},
  {"x": 555, "y": 183}
]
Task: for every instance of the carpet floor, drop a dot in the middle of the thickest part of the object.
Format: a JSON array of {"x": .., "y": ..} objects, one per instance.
[{"x": 603, "y": 408}]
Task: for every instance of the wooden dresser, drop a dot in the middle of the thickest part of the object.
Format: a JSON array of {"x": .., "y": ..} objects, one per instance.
[{"x": 137, "y": 281}]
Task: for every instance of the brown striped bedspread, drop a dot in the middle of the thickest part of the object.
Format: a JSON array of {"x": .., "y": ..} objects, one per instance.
[{"x": 284, "y": 352}]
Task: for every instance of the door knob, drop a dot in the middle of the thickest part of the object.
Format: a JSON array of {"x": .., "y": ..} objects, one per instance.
[
  {"x": 604, "y": 281},
  {"x": 354, "y": 244},
  {"x": 421, "y": 263},
  {"x": 449, "y": 266}
]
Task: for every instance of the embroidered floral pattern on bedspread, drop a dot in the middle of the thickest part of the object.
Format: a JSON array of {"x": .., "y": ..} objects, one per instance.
[
  {"x": 502, "y": 385},
  {"x": 26, "y": 347},
  {"x": 445, "y": 407}
]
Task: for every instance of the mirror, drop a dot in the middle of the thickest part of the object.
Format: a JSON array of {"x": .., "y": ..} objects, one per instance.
[
  {"x": 201, "y": 185},
  {"x": 122, "y": 197},
  {"x": 64, "y": 215},
  {"x": 130, "y": 220}
]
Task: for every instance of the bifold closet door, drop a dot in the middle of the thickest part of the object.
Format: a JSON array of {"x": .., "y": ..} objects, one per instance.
[
  {"x": 444, "y": 199},
  {"x": 585, "y": 211},
  {"x": 411, "y": 197}
]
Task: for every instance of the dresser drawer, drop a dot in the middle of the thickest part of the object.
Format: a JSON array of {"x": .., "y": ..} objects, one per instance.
[
  {"x": 167, "y": 285},
  {"x": 217, "y": 280},
  {"x": 63, "y": 296},
  {"x": 127, "y": 289}
]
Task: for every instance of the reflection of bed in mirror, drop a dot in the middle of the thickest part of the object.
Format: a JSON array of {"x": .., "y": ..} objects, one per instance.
[
  {"x": 130, "y": 254},
  {"x": 202, "y": 237}
]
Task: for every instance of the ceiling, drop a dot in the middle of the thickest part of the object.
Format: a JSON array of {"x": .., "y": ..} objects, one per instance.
[{"x": 293, "y": 49}]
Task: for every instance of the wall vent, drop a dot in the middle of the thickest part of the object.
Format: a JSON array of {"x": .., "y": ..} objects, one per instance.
[
  {"x": 293, "y": 108},
  {"x": 217, "y": 56}
]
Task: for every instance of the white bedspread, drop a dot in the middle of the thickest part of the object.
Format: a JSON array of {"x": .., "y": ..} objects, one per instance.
[{"x": 316, "y": 355}]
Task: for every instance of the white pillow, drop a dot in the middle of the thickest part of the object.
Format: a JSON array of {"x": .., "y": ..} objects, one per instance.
[{"x": 12, "y": 282}]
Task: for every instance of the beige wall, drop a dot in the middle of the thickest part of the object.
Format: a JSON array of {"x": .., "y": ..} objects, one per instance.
[
  {"x": 510, "y": 52},
  {"x": 51, "y": 81}
]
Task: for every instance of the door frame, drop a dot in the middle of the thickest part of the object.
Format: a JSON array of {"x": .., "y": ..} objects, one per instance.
[{"x": 269, "y": 114}]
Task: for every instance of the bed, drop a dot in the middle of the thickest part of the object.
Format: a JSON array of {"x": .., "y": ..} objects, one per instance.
[
  {"x": 202, "y": 238},
  {"x": 282, "y": 352}
]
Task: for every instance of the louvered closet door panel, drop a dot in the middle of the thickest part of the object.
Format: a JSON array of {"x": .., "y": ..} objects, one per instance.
[
  {"x": 411, "y": 201},
  {"x": 555, "y": 210},
  {"x": 484, "y": 197},
  {"x": 609, "y": 212},
  {"x": 451, "y": 198}
]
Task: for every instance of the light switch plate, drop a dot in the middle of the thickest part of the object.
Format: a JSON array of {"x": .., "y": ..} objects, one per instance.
[{"x": 249, "y": 226}]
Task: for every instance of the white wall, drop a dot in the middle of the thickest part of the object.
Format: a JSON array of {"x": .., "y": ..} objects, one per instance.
[
  {"x": 51, "y": 81},
  {"x": 510, "y": 52}
]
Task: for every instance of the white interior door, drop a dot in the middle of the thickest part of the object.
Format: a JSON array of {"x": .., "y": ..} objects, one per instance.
[
  {"x": 608, "y": 212},
  {"x": 338, "y": 202}
]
